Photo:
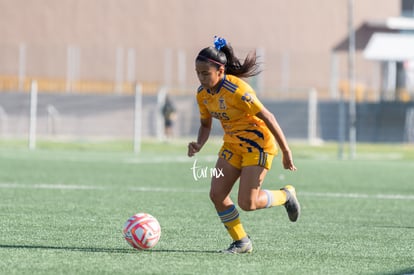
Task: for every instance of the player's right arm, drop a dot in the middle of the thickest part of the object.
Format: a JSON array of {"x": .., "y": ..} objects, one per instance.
[{"x": 203, "y": 134}]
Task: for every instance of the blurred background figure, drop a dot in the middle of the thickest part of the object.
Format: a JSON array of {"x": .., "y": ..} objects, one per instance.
[{"x": 169, "y": 114}]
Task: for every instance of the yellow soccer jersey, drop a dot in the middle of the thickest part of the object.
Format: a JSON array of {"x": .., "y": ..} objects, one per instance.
[{"x": 235, "y": 105}]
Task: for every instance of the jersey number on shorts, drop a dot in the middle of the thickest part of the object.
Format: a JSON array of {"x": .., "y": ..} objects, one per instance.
[{"x": 226, "y": 154}]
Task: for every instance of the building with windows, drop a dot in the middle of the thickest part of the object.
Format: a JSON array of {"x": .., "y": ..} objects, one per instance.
[{"x": 76, "y": 45}]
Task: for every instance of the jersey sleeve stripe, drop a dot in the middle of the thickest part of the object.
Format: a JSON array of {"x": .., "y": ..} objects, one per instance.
[{"x": 230, "y": 86}]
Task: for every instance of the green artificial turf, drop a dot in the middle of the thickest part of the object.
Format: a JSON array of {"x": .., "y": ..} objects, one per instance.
[{"x": 63, "y": 206}]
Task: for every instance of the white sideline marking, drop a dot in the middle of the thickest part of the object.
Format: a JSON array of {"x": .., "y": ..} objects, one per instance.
[
  {"x": 50, "y": 186},
  {"x": 94, "y": 187},
  {"x": 358, "y": 196},
  {"x": 167, "y": 190},
  {"x": 187, "y": 190},
  {"x": 168, "y": 159}
]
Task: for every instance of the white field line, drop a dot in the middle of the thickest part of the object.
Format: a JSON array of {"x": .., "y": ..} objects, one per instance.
[
  {"x": 126, "y": 159},
  {"x": 167, "y": 190},
  {"x": 94, "y": 187},
  {"x": 169, "y": 159},
  {"x": 358, "y": 196},
  {"x": 49, "y": 186},
  {"x": 199, "y": 190}
]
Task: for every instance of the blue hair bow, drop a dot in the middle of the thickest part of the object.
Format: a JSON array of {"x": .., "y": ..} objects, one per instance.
[{"x": 219, "y": 42}]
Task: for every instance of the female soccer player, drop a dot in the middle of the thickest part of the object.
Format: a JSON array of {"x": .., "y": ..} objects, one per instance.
[{"x": 250, "y": 135}]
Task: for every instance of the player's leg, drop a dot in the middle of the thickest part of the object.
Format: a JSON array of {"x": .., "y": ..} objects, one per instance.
[
  {"x": 226, "y": 210},
  {"x": 252, "y": 197}
]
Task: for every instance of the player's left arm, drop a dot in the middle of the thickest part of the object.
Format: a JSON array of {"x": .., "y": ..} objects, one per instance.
[{"x": 271, "y": 122}]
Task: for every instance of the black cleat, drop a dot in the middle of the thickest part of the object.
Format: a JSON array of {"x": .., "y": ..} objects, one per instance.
[
  {"x": 242, "y": 246},
  {"x": 292, "y": 204}
]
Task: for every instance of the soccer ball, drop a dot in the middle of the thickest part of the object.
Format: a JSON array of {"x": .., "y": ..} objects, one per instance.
[{"x": 142, "y": 231}]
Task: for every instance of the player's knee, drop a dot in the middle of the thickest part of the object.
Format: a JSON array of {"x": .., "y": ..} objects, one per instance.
[
  {"x": 247, "y": 204},
  {"x": 216, "y": 197}
]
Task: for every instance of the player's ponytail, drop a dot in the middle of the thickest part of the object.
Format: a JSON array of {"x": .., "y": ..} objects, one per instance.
[{"x": 222, "y": 54}]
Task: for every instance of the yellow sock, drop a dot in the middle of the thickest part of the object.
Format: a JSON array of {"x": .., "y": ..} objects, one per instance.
[
  {"x": 235, "y": 229},
  {"x": 231, "y": 221},
  {"x": 275, "y": 197}
]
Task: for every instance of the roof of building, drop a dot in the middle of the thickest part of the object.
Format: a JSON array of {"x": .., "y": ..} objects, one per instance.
[
  {"x": 390, "y": 46},
  {"x": 393, "y": 23},
  {"x": 365, "y": 32}
]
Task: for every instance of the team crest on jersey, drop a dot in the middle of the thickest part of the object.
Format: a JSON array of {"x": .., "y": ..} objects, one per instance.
[
  {"x": 222, "y": 104},
  {"x": 248, "y": 98}
]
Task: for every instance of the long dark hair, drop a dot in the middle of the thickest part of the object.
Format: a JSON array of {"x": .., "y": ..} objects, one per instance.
[{"x": 232, "y": 65}]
